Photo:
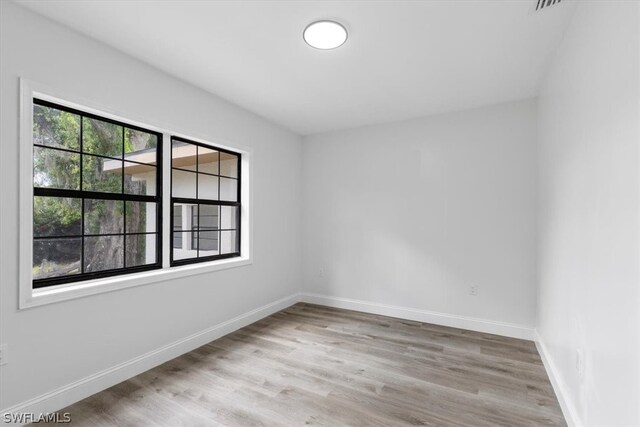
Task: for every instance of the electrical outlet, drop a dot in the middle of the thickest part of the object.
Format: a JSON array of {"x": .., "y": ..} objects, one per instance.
[
  {"x": 473, "y": 290},
  {"x": 4, "y": 355},
  {"x": 321, "y": 272}
]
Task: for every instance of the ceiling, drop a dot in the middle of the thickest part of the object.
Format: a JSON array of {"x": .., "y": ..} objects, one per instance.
[{"x": 403, "y": 59}]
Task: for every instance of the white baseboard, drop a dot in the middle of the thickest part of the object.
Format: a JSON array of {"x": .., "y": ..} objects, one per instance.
[
  {"x": 568, "y": 409},
  {"x": 78, "y": 390},
  {"x": 452, "y": 320}
]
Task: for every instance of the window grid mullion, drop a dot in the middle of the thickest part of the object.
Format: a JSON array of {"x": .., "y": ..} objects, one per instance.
[
  {"x": 75, "y": 194},
  {"x": 124, "y": 210},
  {"x": 197, "y": 228},
  {"x": 82, "y": 266},
  {"x": 78, "y": 236}
]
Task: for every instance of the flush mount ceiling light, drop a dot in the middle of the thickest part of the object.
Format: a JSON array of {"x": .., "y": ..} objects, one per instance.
[{"x": 325, "y": 35}]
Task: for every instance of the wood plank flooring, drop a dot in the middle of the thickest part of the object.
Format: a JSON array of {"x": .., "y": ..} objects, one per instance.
[{"x": 314, "y": 365}]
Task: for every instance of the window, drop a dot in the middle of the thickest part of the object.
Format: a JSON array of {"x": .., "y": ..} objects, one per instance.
[
  {"x": 205, "y": 202},
  {"x": 98, "y": 211},
  {"x": 97, "y": 192}
]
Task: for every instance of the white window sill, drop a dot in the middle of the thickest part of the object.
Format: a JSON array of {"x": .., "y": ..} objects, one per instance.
[{"x": 98, "y": 286}]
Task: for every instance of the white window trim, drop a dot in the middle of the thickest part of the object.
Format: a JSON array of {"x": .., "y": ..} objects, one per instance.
[{"x": 29, "y": 297}]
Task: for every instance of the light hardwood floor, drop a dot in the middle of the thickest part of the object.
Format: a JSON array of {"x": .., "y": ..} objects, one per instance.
[{"x": 313, "y": 365}]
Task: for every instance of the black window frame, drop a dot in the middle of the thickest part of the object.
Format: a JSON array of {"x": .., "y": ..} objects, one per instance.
[
  {"x": 96, "y": 195},
  {"x": 196, "y": 201}
]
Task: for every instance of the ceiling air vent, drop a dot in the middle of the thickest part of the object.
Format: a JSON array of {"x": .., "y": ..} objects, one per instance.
[{"x": 546, "y": 3}]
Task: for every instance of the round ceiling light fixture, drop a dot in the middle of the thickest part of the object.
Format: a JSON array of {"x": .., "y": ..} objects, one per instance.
[{"x": 325, "y": 35}]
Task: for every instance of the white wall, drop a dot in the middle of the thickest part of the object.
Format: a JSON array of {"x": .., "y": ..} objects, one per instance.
[
  {"x": 54, "y": 345},
  {"x": 413, "y": 213},
  {"x": 409, "y": 214},
  {"x": 589, "y": 293}
]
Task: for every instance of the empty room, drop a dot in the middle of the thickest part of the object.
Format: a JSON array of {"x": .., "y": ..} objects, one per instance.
[{"x": 332, "y": 213}]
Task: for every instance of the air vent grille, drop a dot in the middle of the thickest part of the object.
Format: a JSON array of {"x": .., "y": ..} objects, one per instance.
[{"x": 546, "y": 3}]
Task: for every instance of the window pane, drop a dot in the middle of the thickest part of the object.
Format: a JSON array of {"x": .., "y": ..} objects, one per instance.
[
  {"x": 139, "y": 179},
  {"x": 183, "y": 155},
  {"x": 177, "y": 216},
  {"x": 57, "y": 216},
  {"x": 207, "y": 243},
  {"x": 228, "y": 217},
  {"x": 208, "y": 217},
  {"x": 229, "y": 189},
  {"x": 102, "y": 175},
  {"x": 56, "y": 169},
  {"x": 56, "y": 128},
  {"x": 103, "y": 216},
  {"x": 56, "y": 257},
  {"x": 228, "y": 242},
  {"x": 207, "y": 187},
  {"x": 207, "y": 160},
  {"x": 177, "y": 240},
  {"x": 103, "y": 253},
  {"x": 141, "y": 249},
  {"x": 141, "y": 217},
  {"x": 101, "y": 138},
  {"x": 229, "y": 165},
  {"x": 186, "y": 249},
  {"x": 140, "y": 146},
  {"x": 183, "y": 184}
]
